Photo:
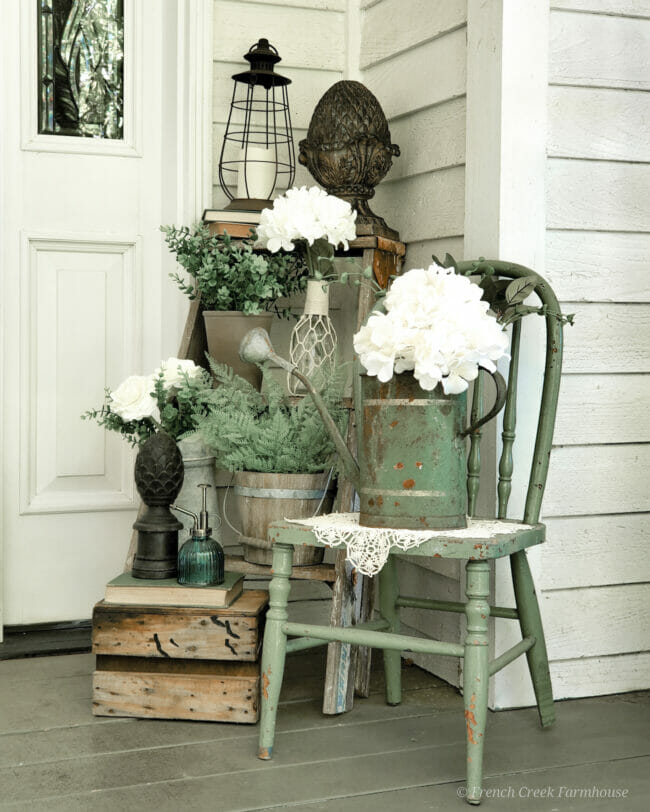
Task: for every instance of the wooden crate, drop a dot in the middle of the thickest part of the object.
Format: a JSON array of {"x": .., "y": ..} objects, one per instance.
[{"x": 179, "y": 662}]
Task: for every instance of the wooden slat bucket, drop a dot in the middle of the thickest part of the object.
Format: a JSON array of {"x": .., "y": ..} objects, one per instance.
[{"x": 265, "y": 498}]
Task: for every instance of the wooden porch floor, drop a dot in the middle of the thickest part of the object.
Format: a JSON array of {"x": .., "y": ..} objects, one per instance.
[{"x": 54, "y": 755}]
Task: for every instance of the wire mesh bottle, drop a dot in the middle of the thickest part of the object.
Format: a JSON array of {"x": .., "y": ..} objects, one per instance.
[{"x": 313, "y": 339}]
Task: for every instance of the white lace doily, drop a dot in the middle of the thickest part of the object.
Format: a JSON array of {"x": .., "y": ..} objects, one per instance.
[{"x": 368, "y": 547}]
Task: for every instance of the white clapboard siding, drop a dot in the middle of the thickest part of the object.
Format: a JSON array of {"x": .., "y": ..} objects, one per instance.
[
  {"x": 598, "y": 479},
  {"x": 607, "y": 338},
  {"x": 588, "y": 266},
  {"x": 306, "y": 88},
  {"x": 603, "y": 409},
  {"x": 587, "y": 122},
  {"x": 598, "y": 195},
  {"x": 325, "y": 5},
  {"x": 418, "y": 254},
  {"x": 393, "y": 26},
  {"x": 595, "y": 551},
  {"x": 426, "y": 75},
  {"x": 599, "y": 51},
  {"x": 304, "y": 37},
  {"x": 425, "y": 206},
  {"x": 594, "y": 676},
  {"x": 633, "y": 8},
  {"x": 595, "y": 622},
  {"x": 429, "y": 139}
]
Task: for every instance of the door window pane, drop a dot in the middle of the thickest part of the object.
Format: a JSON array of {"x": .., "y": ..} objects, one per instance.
[{"x": 81, "y": 67}]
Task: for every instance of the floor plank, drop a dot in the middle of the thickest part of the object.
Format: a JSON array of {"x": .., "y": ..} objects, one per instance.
[{"x": 55, "y": 756}]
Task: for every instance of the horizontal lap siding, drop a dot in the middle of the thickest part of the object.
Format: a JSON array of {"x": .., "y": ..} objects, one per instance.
[
  {"x": 310, "y": 36},
  {"x": 594, "y": 575},
  {"x": 413, "y": 58}
]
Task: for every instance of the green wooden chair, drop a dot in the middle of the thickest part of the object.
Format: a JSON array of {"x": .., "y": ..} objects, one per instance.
[{"x": 507, "y": 539}]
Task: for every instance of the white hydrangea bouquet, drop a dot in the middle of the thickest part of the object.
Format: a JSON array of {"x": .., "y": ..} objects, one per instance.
[
  {"x": 312, "y": 220},
  {"x": 314, "y": 223},
  {"x": 436, "y": 325},
  {"x": 167, "y": 400}
]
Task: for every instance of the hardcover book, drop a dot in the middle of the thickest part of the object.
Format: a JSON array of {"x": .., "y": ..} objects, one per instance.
[{"x": 126, "y": 589}]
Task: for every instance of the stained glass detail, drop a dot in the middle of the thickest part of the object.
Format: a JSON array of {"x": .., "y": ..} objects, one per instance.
[{"x": 81, "y": 68}]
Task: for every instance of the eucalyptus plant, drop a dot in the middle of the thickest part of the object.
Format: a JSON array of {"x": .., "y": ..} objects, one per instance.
[{"x": 231, "y": 274}]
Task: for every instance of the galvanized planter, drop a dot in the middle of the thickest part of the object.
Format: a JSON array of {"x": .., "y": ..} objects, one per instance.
[
  {"x": 412, "y": 456},
  {"x": 265, "y": 498}
]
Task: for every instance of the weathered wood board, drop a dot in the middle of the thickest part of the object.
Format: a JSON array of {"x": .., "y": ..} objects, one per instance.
[
  {"x": 176, "y": 689},
  {"x": 169, "y": 632}
]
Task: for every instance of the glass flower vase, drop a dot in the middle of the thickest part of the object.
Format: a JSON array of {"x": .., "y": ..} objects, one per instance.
[{"x": 313, "y": 339}]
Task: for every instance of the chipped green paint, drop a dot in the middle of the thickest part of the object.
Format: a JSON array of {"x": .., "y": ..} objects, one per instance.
[{"x": 384, "y": 633}]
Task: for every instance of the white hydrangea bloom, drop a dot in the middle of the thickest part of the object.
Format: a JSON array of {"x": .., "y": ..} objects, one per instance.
[
  {"x": 306, "y": 214},
  {"x": 435, "y": 324}
]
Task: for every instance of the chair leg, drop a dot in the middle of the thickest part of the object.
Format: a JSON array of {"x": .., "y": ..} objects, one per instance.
[
  {"x": 388, "y": 594},
  {"x": 476, "y": 676},
  {"x": 530, "y": 622},
  {"x": 275, "y": 646}
]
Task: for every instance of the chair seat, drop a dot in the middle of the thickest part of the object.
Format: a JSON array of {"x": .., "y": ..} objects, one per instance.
[{"x": 481, "y": 539}]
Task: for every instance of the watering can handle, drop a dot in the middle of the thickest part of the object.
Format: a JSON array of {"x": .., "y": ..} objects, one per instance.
[{"x": 502, "y": 391}]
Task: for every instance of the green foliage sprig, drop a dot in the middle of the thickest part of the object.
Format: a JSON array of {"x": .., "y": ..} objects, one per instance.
[
  {"x": 178, "y": 409},
  {"x": 250, "y": 431},
  {"x": 229, "y": 275}
]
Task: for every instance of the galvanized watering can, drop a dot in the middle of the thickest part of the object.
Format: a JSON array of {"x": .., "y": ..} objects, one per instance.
[{"x": 411, "y": 471}]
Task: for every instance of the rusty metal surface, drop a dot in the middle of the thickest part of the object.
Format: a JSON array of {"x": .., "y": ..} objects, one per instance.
[{"x": 412, "y": 457}]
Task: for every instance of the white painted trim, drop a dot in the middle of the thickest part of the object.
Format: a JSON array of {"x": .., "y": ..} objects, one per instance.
[
  {"x": 31, "y": 140},
  {"x": 507, "y": 80},
  {"x": 184, "y": 199}
]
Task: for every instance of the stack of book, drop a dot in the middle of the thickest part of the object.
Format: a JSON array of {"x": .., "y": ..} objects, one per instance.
[
  {"x": 125, "y": 589},
  {"x": 238, "y": 222}
]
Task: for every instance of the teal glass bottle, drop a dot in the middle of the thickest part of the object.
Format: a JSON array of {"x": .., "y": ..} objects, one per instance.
[{"x": 200, "y": 559}]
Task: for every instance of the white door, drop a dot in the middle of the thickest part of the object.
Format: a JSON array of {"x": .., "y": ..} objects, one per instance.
[{"x": 85, "y": 296}]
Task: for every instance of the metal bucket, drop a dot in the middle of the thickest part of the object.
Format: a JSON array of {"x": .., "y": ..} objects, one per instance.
[
  {"x": 265, "y": 498},
  {"x": 412, "y": 456}
]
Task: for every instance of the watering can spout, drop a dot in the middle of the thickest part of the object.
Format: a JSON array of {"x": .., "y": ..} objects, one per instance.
[{"x": 256, "y": 348}]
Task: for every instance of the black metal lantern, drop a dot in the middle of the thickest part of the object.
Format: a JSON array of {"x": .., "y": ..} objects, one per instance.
[{"x": 257, "y": 154}]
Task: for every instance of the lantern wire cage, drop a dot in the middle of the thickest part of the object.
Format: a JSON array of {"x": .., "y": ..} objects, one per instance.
[{"x": 258, "y": 132}]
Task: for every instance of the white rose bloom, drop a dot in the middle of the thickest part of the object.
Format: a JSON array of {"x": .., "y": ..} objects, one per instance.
[
  {"x": 174, "y": 369},
  {"x": 132, "y": 399}
]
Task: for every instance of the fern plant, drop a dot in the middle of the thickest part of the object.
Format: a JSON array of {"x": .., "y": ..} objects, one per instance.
[{"x": 268, "y": 432}]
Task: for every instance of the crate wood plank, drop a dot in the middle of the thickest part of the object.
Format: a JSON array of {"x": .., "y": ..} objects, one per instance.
[
  {"x": 226, "y": 634},
  {"x": 201, "y": 697}
]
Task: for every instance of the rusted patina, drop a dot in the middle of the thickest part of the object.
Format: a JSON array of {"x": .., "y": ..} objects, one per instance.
[{"x": 412, "y": 456}]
